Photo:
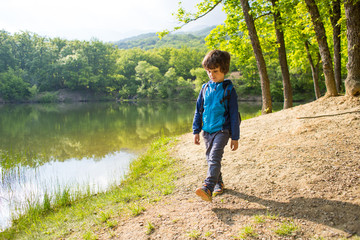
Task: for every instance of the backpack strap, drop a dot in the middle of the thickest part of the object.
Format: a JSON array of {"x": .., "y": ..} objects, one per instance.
[
  {"x": 227, "y": 92},
  {"x": 203, "y": 90}
]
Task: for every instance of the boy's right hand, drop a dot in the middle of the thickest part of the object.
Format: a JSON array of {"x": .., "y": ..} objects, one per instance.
[
  {"x": 234, "y": 144},
  {"x": 197, "y": 139}
]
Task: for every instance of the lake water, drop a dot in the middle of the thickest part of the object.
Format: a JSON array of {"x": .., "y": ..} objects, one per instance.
[{"x": 49, "y": 147}]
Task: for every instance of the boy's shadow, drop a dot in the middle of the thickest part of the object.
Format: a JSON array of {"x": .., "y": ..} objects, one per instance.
[{"x": 341, "y": 215}]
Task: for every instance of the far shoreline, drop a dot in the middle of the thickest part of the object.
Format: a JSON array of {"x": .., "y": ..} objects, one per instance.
[{"x": 71, "y": 96}]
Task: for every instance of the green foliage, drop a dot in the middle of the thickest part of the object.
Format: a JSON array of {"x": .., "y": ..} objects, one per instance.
[
  {"x": 47, "y": 97},
  {"x": 33, "y": 67},
  {"x": 12, "y": 86},
  {"x": 201, "y": 77},
  {"x": 33, "y": 90},
  {"x": 185, "y": 59},
  {"x": 185, "y": 89},
  {"x": 297, "y": 26},
  {"x": 150, "y": 79}
]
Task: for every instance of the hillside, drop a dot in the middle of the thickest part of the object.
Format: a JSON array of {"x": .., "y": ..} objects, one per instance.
[
  {"x": 296, "y": 175},
  {"x": 176, "y": 40}
]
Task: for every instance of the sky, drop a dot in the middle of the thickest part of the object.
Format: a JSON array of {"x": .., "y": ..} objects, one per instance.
[{"x": 105, "y": 20}]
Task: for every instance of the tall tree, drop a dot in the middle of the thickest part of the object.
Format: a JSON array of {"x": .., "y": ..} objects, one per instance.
[
  {"x": 314, "y": 70},
  {"x": 352, "y": 12},
  {"x": 335, "y": 17},
  {"x": 324, "y": 48},
  {"x": 260, "y": 61},
  {"x": 288, "y": 97},
  {"x": 303, "y": 49},
  {"x": 7, "y": 59}
]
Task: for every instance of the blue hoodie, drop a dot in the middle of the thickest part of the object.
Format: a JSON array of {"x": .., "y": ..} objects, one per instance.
[{"x": 213, "y": 118}]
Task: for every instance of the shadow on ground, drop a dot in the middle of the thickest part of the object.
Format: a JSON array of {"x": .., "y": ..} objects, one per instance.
[{"x": 336, "y": 214}]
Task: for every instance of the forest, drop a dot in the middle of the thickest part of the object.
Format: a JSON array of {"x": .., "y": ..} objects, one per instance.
[
  {"x": 31, "y": 64},
  {"x": 328, "y": 31},
  {"x": 170, "y": 67}
]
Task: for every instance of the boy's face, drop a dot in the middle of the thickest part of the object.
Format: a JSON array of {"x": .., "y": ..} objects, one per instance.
[{"x": 215, "y": 74}]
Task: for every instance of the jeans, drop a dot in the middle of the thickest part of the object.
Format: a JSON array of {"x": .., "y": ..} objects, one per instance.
[{"x": 215, "y": 144}]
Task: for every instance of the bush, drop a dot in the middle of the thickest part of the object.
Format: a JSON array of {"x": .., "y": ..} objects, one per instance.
[
  {"x": 12, "y": 86},
  {"x": 48, "y": 97}
]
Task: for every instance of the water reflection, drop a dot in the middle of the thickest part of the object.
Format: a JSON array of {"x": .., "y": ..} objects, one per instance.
[
  {"x": 60, "y": 132},
  {"x": 21, "y": 185}
]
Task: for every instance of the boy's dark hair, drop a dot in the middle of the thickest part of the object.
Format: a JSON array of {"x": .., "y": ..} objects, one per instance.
[{"x": 217, "y": 58}]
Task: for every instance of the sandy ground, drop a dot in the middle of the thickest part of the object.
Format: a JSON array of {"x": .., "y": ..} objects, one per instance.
[{"x": 299, "y": 166}]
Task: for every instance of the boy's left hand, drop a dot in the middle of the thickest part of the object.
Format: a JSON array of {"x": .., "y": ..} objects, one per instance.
[{"x": 234, "y": 145}]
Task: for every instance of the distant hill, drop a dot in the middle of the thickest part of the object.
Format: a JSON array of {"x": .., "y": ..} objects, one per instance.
[{"x": 176, "y": 40}]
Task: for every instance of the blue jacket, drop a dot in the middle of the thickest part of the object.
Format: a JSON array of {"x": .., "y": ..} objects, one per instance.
[{"x": 215, "y": 115}]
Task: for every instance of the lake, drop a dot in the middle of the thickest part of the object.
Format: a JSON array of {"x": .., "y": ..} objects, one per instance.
[{"x": 45, "y": 148}]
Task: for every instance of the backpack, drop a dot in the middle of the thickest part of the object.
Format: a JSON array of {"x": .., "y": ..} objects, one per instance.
[{"x": 226, "y": 96}]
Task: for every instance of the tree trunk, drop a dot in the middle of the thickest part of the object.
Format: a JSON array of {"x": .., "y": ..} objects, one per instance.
[
  {"x": 335, "y": 16},
  {"x": 323, "y": 47},
  {"x": 314, "y": 71},
  {"x": 260, "y": 61},
  {"x": 352, "y": 12},
  {"x": 288, "y": 97}
]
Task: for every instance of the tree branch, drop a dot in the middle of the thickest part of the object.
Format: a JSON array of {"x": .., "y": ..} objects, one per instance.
[
  {"x": 163, "y": 33},
  {"x": 328, "y": 115},
  {"x": 212, "y": 8},
  {"x": 265, "y": 14}
]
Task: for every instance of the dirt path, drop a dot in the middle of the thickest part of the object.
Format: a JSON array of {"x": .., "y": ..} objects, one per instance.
[{"x": 297, "y": 167}]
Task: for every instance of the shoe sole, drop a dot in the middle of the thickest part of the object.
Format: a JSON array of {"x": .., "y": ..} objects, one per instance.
[
  {"x": 204, "y": 196},
  {"x": 218, "y": 193}
]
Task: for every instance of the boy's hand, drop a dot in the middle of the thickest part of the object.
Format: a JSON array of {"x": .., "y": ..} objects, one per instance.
[
  {"x": 234, "y": 145},
  {"x": 197, "y": 139}
]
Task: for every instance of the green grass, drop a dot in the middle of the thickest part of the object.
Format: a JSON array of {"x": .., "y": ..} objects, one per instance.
[
  {"x": 287, "y": 228},
  {"x": 250, "y": 115},
  {"x": 272, "y": 216},
  {"x": 194, "y": 234},
  {"x": 90, "y": 236},
  {"x": 150, "y": 228},
  {"x": 246, "y": 232},
  {"x": 259, "y": 219},
  {"x": 81, "y": 215}
]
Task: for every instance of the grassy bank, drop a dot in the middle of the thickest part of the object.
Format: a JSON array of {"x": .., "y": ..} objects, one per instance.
[{"x": 85, "y": 216}]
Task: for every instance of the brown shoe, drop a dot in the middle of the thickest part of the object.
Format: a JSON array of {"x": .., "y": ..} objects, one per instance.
[{"x": 204, "y": 193}]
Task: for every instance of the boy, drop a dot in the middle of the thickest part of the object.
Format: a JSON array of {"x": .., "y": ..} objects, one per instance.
[{"x": 217, "y": 115}]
